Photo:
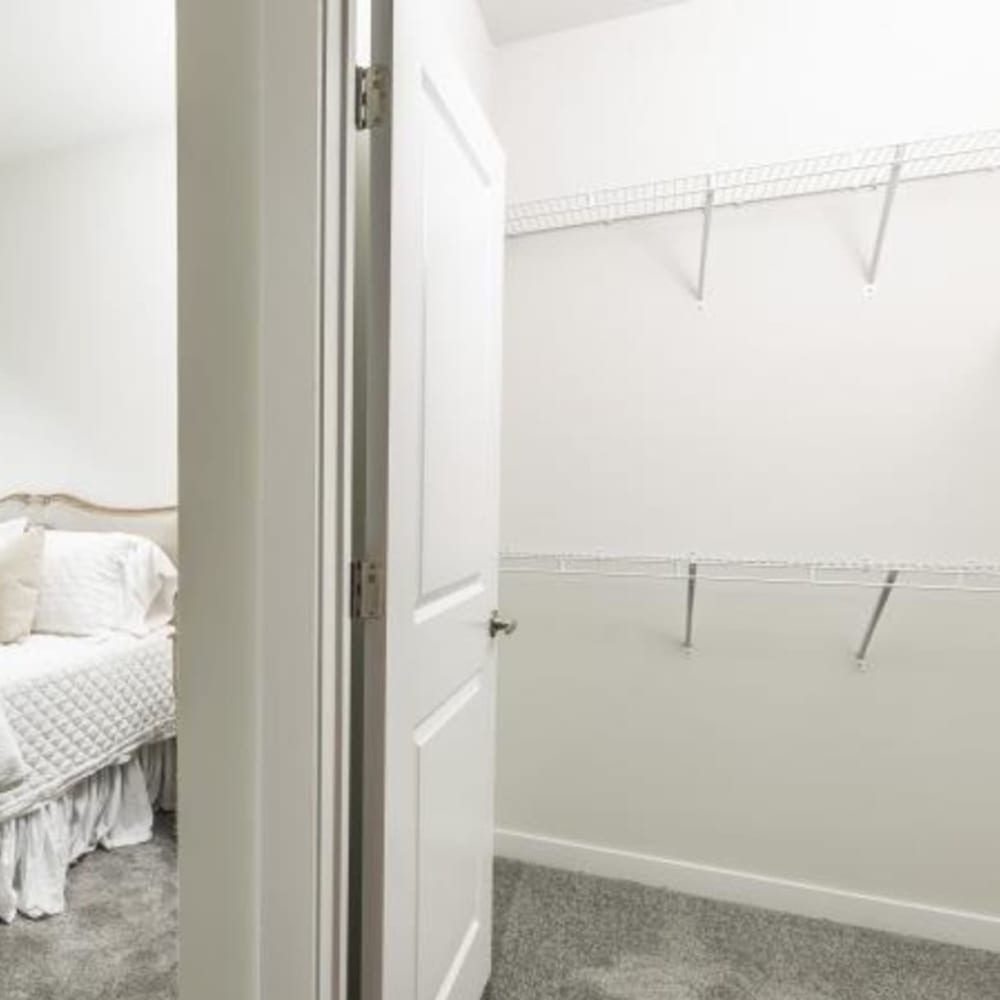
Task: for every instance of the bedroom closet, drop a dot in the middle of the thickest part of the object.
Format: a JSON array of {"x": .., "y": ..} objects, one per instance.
[
  {"x": 749, "y": 504},
  {"x": 88, "y": 500}
]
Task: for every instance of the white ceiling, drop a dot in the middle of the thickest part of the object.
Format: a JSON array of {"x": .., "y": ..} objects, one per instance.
[
  {"x": 73, "y": 69},
  {"x": 510, "y": 20}
]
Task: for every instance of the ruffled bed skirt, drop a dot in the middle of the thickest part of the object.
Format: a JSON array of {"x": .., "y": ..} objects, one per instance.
[{"x": 113, "y": 808}]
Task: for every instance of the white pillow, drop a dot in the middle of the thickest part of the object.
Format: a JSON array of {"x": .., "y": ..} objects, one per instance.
[
  {"x": 100, "y": 581},
  {"x": 20, "y": 570},
  {"x": 11, "y": 529}
]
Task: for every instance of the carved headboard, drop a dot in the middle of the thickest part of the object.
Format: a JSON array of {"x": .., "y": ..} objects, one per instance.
[{"x": 62, "y": 510}]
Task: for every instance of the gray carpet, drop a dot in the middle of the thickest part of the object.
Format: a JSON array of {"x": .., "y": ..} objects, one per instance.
[
  {"x": 558, "y": 936},
  {"x": 117, "y": 939},
  {"x": 561, "y": 936}
]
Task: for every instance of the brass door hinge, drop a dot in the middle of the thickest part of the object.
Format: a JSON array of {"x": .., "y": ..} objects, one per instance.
[
  {"x": 371, "y": 96},
  {"x": 367, "y": 591}
]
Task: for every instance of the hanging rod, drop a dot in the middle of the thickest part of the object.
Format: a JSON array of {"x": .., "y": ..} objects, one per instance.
[
  {"x": 974, "y": 578},
  {"x": 872, "y": 167}
]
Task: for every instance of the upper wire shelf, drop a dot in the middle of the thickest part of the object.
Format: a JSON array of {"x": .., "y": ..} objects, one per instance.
[{"x": 871, "y": 168}]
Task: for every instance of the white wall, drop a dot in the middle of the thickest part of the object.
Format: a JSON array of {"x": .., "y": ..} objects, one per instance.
[
  {"x": 88, "y": 320},
  {"x": 70, "y": 71},
  {"x": 710, "y": 84},
  {"x": 791, "y": 417}
]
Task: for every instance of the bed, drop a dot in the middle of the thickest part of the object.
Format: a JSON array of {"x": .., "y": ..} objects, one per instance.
[{"x": 91, "y": 723}]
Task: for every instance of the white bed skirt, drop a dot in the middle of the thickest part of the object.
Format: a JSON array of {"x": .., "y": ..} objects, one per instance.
[{"x": 113, "y": 808}]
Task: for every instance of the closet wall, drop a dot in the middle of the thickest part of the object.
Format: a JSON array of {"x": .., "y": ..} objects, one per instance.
[
  {"x": 791, "y": 417},
  {"x": 88, "y": 319},
  {"x": 708, "y": 84}
]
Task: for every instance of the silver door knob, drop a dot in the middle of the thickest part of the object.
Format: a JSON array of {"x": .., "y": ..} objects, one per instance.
[{"x": 501, "y": 626}]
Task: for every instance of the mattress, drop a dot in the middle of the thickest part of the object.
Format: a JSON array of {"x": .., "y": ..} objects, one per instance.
[{"x": 77, "y": 705}]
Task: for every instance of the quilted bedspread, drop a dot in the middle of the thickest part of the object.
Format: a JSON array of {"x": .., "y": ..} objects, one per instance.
[
  {"x": 77, "y": 705},
  {"x": 12, "y": 769}
]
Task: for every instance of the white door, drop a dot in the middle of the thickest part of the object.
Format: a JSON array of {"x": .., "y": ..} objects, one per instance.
[{"x": 437, "y": 203}]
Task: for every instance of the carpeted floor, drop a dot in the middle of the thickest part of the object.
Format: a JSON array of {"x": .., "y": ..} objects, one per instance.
[
  {"x": 557, "y": 936},
  {"x": 561, "y": 936},
  {"x": 117, "y": 939}
]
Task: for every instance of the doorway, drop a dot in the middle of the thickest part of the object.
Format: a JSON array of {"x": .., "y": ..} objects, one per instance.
[{"x": 726, "y": 588}]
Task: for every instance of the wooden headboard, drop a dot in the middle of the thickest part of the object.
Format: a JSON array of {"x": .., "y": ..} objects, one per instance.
[{"x": 63, "y": 510}]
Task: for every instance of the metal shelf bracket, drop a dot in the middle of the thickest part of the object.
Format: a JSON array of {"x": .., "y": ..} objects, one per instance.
[
  {"x": 883, "y": 226},
  {"x": 706, "y": 235},
  {"x": 883, "y": 599},
  {"x": 692, "y": 586}
]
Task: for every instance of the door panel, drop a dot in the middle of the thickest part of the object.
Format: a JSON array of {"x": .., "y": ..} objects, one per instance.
[
  {"x": 433, "y": 510},
  {"x": 456, "y": 286},
  {"x": 453, "y": 803}
]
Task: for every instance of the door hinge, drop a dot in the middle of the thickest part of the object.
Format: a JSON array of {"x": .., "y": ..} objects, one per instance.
[
  {"x": 371, "y": 96},
  {"x": 367, "y": 590}
]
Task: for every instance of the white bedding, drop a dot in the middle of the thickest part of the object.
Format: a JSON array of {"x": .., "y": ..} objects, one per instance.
[
  {"x": 76, "y": 705},
  {"x": 110, "y": 809},
  {"x": 12, "y": 768}
]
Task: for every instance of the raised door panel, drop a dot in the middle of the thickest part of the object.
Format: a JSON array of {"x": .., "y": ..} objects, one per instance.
[
  {"x": 455, "y": 808},
  {"x": 456, "y": 397}
]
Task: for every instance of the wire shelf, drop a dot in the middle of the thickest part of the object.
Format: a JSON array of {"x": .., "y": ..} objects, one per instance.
[
  {"x": 861, "y": 169},
  {"x": 973, "y": 577}
]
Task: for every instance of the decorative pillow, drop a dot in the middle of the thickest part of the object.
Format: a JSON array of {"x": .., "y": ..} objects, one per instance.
[
  {"x": 100, "y": 581},
  {"x": 20, "y": 573},
  {"x": 11, "y": 529}
]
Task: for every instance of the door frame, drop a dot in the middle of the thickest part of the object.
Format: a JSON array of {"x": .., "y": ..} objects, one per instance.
[{"x": 265, "y": 211}]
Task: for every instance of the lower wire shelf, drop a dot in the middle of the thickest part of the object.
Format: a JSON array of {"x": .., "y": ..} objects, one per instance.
[{"x": 692, "y": 569}]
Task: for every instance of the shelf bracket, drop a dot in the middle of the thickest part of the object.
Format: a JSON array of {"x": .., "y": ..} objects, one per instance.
[
  {"x": 706, "y": 234},
  {"x": 883, "y": 599},
  {"x": 692, "y": 586},
  {"x": 883, "y": 225}
]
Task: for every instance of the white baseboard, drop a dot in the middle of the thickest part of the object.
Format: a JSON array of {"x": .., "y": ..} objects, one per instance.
[{"x": 971, "y": 930}]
